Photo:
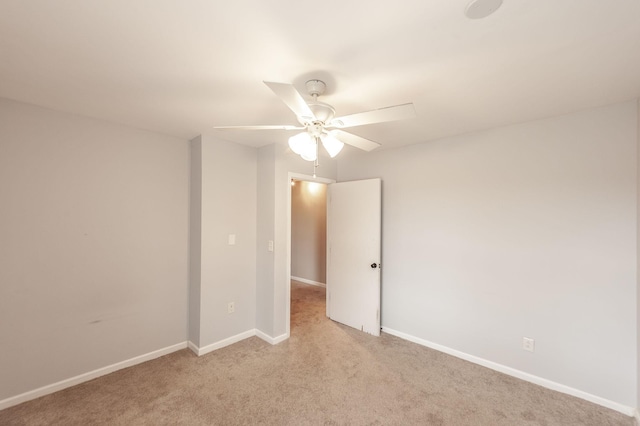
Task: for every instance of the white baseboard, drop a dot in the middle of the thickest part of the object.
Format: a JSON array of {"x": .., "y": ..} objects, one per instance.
[
  {"x": 234, "y": 339},
  {"x": 306, "y": 281},
  {"x": 272, "y": 340},
  {"x": 637, "y": 417},
  {"x": 76, "y": 380},
  {"x": 193, "y": 347},
  {"x": 629, "y": 411},
  {"x": 222, "y": 343}
]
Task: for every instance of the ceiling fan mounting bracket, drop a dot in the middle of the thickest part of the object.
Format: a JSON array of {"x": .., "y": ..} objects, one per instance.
[{"x": 315, "y": 87}]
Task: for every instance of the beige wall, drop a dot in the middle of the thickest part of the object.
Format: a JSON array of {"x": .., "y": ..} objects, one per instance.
[
  {"x": 93, "y": 245},
  {"x": 309, "y": 231}
]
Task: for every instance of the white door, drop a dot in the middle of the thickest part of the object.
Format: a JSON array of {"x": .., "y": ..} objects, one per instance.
[{"x": 353, "y": 254}]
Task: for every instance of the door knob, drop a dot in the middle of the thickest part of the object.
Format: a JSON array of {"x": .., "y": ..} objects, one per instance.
[{"x": 374, "y": 265}]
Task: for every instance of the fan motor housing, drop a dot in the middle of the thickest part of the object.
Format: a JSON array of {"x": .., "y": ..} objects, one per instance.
[{"x": 324, "y": 113}]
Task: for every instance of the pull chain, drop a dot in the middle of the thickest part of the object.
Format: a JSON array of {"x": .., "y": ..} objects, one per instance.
[{"x": 315, "y": 163}]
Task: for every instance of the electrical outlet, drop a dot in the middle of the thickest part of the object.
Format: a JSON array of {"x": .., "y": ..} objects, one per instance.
[
  {"x": 528, "y": 344},
  {"x": 231, "y": 307}
]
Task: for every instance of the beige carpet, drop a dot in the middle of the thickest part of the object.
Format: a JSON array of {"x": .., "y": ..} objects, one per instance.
[{"x": 325, "y": 373}]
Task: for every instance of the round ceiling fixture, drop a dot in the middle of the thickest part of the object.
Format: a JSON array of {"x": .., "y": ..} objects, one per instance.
[{"x": 478, "y": 9}]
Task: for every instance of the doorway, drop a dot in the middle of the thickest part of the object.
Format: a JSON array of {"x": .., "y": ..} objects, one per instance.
[{"x": 307, "y": 234}]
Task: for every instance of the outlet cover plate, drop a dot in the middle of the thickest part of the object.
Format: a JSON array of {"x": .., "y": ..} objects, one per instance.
[{"x": 528, "y": 344}]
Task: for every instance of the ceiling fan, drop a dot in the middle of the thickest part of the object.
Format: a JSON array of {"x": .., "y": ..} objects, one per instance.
[{"x": 319, "y": 124}]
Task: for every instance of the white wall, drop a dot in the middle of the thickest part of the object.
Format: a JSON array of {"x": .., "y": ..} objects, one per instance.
[
  {"x": 93, "y": 245},
  {"x": 227, "y": 273},
  {"x": 265, "y": 232},
  {"x": 527, "y": 230},
  {"x": 195, "y": 240},
  {"x": 309, "y": 231},
  {"x": 638, "y": 273}
]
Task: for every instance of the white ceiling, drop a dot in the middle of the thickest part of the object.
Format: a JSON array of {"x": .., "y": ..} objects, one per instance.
[{"x": 182, "y": 67}]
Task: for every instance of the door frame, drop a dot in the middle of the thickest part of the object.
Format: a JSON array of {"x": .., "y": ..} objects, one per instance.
[{"x": 307, "y": 178}]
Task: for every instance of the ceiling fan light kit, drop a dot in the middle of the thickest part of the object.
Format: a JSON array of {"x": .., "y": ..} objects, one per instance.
[
  {"x": 302, "y": 145},
  {"x": 320, "y": 126},
  {"x": 331, "y": 143}
]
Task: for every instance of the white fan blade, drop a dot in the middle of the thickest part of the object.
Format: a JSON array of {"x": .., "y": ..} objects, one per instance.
[
  {"x": 355, "y": 140},
  {"x": 276, "y": 127},
  {"x": 392, "y": 113},
  {"x": 292, "y": 98}
]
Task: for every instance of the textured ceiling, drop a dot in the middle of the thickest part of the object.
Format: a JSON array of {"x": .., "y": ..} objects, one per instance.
[{"x": 182, "y": 67}]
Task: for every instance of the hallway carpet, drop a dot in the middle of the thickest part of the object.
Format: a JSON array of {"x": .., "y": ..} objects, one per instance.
[{"x": 325, "y": 374}]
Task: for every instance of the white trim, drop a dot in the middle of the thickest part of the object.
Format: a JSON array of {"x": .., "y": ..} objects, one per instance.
[
  {"x": 193, "y": 347},
  {"x": 629, "y": 411},
  {"x": 234, "y": 339},
  {"x": 272, "y": 340},
  {"x": 224, "y": 342},
  {"x": 306, "y": 281},
  {"x": 637, "y": 416},
  {"x": 85, "y": 377}
]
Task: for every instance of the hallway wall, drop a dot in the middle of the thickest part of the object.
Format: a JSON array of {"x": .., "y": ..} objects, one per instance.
[{"x": 309, "y": 231}]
